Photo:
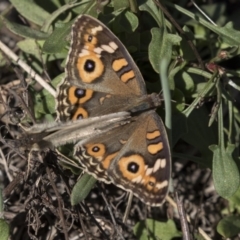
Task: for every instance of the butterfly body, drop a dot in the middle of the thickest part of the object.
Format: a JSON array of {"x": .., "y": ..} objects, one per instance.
[{"x": 102, "y": 78}]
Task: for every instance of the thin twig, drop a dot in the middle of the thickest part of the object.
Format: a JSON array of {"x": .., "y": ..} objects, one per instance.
[
  {"x": 4, "y": 162},
  {"x": 85, "y": 207},
  {"x": 129, "y": 204},
  {"x": 171, "y": 201},
  {"x": 13, "y": 184},
  {"x": 26, "y": 68},
  {"x": 183, "y": 219},
  {"x": 60, "y": 204},
  {"x": 82, "y": 223},
  {"x": 111, "y": 214}
]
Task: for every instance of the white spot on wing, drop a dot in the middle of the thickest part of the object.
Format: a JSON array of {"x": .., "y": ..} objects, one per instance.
[
  {"x": 92, "y": 162},
  {"x": 98, "y": 50},
  {"x": 143, "y": 181},
  {"x": 65, "y": 103},
  {"x": 99, "y": 158},
  {"x": 157, "y": 165},
  {"x": 163, "y": 163},
  {"x": 96, "y": 29},
  {"x": 162, "y": 185},
  {"x": 137, "y": 179},
  {"x": 66, "y": 112},
  {"x": 107, "y": 48},
  {"x": 149, "y": 171},
  {"x": 113, "y": 45},
  {"x": 99, "y": 169},
  {"x": 84, "y": 52}
]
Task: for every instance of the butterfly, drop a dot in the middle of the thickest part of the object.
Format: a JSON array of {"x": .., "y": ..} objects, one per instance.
[{"x": 102, "y": 78}]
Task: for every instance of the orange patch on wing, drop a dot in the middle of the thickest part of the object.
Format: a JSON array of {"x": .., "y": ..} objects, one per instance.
[
  {"x": 101, "y": 100},
  {"x": 119, "y": 64},
  {"x": 88, "y": 95},
  {"x": 127, "y": 76},
  {"x": 155, "y": 148},
  {"x": 73, "y": 99},
  {"x": 89, "y": 77},
  {"x": 90, "y": 45},
  {"x": 71, "y": 95},
  {"x": 80, "y": 111},
  {"x": 150, "y": 183},
  {"x": 124, "y": 162},
  {"x": 96, "y": 150},
  {"x": 107, "y": 161},
  {"x": 152, "y": 135},
  {"x": 122, "y": 141}
]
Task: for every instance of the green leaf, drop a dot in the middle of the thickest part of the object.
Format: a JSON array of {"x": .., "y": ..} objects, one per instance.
[
  {"x": 173, "y": 71},
  {"x": 185, "y": 83},
  {"x": 234, "y": 201},
  {"x": 212, "y": 8},
  {"x": 124, "y": 22},
  {"x": 201, "y": 87},
  {"x": 57, "y": 41},
  {"x": 150, "y": 7},
  {"x": 200, "y": 135},
  {"x": 44, "y": 102},
  {"x": 229, "y": 226},
  {"x": 54, "y": 15},
  {"x": 24, "y": 31},
  {"x": 82, "y": 188},
  {"x": 123, "y": 4},
  {"x": 4, "y": 230},
  {"x": 2, "y": 60},
  {"x": 43, "y": 105},
  {"x": 198, "y": 236},
  {"x": 30, "y": 46},
  {"x": 132, "y": 19},
  {"x": 225, "y": 171},
  {"x": 179, "y": 126},
  {"x": 55, "y": 82},
  {"x": 31, "y": 11},
  {"x": 227, "y": 33},
  {"x": 88, "y": 7},
  {"x": 161, "y": 46},
  {"x": 152, "y": 230},
  {"x": 178, "y": 96}
]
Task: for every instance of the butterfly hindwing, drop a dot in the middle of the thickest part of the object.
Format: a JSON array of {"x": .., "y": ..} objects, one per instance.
[{"x": 134, "y": 156}]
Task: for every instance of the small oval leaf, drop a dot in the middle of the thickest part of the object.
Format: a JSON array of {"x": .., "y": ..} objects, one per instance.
[
  {"x": 229, "y": 226},
  {"x": 82, "y": 188},
  {"x": 4, "y": 230},
  {"x": 225, "y": 171},
  {"x": 151, "y": 230}
]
